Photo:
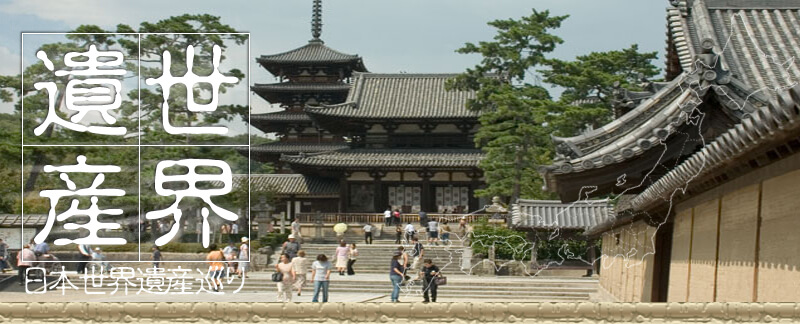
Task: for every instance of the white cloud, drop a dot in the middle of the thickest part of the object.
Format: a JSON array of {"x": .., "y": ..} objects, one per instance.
[
  {"x": 77, "y": 12},
  {"x": 10, "y": 61}
]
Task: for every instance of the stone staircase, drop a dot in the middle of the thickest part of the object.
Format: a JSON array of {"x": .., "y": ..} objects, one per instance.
[
  {"x": 459, "y": 288},
  {"x": 376, "y": 258}
]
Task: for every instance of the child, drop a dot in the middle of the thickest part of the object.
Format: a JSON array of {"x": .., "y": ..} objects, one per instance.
[{"x": 399, "y": 233}]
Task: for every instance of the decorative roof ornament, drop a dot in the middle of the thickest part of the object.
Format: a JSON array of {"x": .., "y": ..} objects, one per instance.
[{"x": 316, "y": 20}]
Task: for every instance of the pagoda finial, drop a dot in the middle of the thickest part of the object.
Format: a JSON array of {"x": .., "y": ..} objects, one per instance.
[{"x": 316, "y": 19}]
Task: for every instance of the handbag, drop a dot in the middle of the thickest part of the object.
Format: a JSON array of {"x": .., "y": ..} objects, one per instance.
[
  {"x": 277, "y": 277},
  {"x": 440, "y": 281}
]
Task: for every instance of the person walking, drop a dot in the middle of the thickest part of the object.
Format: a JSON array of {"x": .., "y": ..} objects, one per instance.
[
  {"x": 410, "y": 231},
  {"x": 25, "y": 259},
  {"x": 341, "y": 257},
  {"x": 285, "y": 286},
  {"x": 368, "y": 233},
  {"x": 398, "y": 234},
  {"x": 320, "y": 277},
  {"x": 230, "y": 252},
  {"x": 396, "y": 217},
  {"x": 296, "y": 231},
  {"x": 3, "y": 256},
  {"x": 156, "y": 256},
  {"x": 403, "y": 256},
  {"x": 429, "y": 273},
  {"x": 417, "y": 252},
  {"x": 387, "y": 216},
  {"x": 216, "y": 264},
  {"x": 433, "y": 232},
  {"x": 445, "y": 232},
  {"x": 41, "y": 249},
  {"x": 352, "y": 257},
  {"x": 300, "y": 266},
  {"x": 291, "y": 247},
  {"x": 423, "y": 219},
  {"x": 396, "y": 273},
  {"x": 84, "y": 256},
  {"x": 244, "y": 258}
]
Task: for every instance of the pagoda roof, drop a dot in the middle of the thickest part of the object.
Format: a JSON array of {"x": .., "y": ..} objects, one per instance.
[
  {"x": 297, "y": 185},
  {"x": 313, "y": 53},
  {"x": 300, "y": 87},
  {"x": 400, "y": 96},
  {"x": 296, "y": 147},
  {"x": 389, "y": 159},
  {"x": 553, "y": 214},
  {"x": 284, "y": 116}
]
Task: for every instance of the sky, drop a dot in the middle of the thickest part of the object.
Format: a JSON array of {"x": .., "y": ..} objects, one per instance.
[{"x": 414, "y": 36}]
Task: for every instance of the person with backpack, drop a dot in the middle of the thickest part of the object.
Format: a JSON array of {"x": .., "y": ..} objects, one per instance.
[{"x": 291, "y": 247}]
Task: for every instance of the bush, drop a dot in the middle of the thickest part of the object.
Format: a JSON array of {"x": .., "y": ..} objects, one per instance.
[
  {"x": 509, "y": 244},
  {"x": 273, "y": 240}
]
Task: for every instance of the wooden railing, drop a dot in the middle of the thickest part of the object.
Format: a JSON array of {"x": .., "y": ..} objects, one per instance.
[{"x": 363, "y": 218}]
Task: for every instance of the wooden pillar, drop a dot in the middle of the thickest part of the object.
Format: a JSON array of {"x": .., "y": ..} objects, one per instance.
[
  {"x": 474, "y": 175},
  {"x": 378, "y": 203},
  {"x": 344, "y": 192},
  {"x": 426, "y": 203}
]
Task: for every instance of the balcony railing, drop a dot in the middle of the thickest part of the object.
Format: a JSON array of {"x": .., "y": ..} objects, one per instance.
[{"x": 373, "y": 218}]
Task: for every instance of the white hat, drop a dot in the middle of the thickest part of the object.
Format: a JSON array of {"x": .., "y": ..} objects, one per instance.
[
  {"x": 244, "y": 239},
  {"x": 291, "y": 235},
  {"x": 97, "y": 249}
]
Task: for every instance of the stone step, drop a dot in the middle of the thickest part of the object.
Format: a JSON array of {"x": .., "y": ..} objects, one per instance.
[{"x": 386, "y": 288}]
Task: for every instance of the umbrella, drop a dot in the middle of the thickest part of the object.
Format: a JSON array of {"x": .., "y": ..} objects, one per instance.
[{"x": 340, "y": 228}]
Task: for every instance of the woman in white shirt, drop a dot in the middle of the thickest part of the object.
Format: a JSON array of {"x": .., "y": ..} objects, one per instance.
[
  {"x": 352, "y": 255},
  {"x": 285, "y": 286},
  {"x": 300, "y": 265}
]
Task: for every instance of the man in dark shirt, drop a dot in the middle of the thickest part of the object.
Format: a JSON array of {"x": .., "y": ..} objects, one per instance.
[{"x": 430, "y": 272}]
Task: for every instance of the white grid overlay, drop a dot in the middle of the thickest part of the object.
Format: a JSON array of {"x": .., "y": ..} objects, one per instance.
[{"x": 139, "y": 144}]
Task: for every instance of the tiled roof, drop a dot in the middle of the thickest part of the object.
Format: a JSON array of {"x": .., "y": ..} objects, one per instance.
[
  {"x": 291, "y": 184},
  {"x": 388, "y": 158},
  {"x": 313, "y": 52},
  {"x": 758, "y": 39},
  {"x": 281, "y": 116},
  {"x": 400, "y": 96},
  {"x": 630, "y": 135},
  {"x": 552, "y": 214},
  {"x": 296, "y": 147},
  {"x": 768, "y": 123},
  {"x": 12, "y": 220},
  {"x": 756, "y": 42},
  {"x": 300, "y": 87}
]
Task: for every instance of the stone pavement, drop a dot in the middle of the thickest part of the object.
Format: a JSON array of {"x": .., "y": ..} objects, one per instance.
[{"x": 373, "y": 288}]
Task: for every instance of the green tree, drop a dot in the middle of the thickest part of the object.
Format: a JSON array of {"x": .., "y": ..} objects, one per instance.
[
  {"x": 514, "y": 113},
  {"x": 589, "y": 84}
]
